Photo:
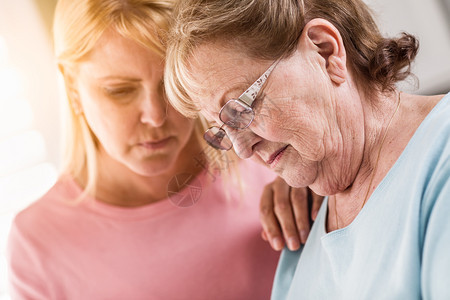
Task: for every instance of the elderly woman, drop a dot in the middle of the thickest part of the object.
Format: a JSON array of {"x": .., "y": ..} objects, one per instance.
[{"x": 308, "y": 89}]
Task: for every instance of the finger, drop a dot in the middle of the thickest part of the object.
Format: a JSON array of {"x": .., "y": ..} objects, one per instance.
[
  {"x": 269, "y": 222},
  {"x": 316, "y": 204},
  {"x": 299, "y": 200},
  {"x": 264, "y": 235},
  {"x": 284, "y": 214}
]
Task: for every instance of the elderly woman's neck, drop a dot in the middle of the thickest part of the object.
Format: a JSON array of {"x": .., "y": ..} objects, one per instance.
[
  {"x": 368, "y": 122},
  {"x": 379, "y": 115},
  {"x": 386, "y": 134}
]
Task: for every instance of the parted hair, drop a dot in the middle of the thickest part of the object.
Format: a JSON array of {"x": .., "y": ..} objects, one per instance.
[{"x": 268, "y": 29}]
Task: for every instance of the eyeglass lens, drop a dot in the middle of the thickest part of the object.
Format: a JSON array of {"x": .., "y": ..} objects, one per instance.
[
  {"x": 217, "y": 138},
  {"x": 236, "y": 114}
]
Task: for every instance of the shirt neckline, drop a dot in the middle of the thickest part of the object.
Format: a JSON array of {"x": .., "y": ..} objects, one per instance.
[
  {"x": 121, "y": 213},
  {"x": 384, "y": 181}
]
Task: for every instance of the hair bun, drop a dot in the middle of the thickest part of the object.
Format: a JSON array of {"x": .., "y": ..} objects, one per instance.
[{"x": 391, "y": 61}]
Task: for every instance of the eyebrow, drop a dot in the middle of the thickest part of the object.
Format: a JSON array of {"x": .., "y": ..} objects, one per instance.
[
  {"x": 115, "y": 77},
  {"x": 237, "y": 90}
]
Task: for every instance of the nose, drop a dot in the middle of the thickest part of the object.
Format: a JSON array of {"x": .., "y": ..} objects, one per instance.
[
  {"x": 243, "y": 141},
  {"x": 154, "y": 109}
]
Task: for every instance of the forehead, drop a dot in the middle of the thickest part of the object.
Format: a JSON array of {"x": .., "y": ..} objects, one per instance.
[
  {"x": 220, "y": 73},
  {"x": 118, "y": 54}
]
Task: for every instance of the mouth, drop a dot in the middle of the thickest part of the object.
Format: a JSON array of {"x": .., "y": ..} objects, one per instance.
[
  {"x": 275, "y": 157},
  {"x": 156, "y": 144}
]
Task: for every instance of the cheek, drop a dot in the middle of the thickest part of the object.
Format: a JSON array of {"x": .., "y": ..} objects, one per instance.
[
  {"x": 276, "y": 124},
  {"x": 109, "y": 124},
  {"x": 182, "y": 126},
  {"x": 297, "y": 126}
]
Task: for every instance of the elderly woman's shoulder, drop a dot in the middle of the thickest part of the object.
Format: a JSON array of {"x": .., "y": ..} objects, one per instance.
[
  {"x": 437, "y": 131},
  {"x": 437, "y": 121},
  {"x": 440, "y": 117},
  {"x": 435, "y": 142}
]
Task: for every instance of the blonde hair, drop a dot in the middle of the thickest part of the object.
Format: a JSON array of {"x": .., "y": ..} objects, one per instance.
[
  {"x": 268, "y": 29},
  {"x": 77, "y": 27}
]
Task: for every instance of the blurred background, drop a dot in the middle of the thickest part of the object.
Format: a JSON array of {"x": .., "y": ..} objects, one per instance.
[{"x": 31, "y": 92}]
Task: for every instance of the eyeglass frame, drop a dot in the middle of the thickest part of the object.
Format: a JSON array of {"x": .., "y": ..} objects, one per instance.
[{"x": 246, "y": 99}]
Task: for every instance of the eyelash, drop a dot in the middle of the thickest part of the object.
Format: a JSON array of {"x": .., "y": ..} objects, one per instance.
[{"x": 119, "y": 92}]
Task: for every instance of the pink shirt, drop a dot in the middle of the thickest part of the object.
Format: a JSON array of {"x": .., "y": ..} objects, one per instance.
[{"x": 211, "y": 250}]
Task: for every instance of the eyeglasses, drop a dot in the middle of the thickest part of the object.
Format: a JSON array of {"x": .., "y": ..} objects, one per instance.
[{"x": 236, "y": 113}]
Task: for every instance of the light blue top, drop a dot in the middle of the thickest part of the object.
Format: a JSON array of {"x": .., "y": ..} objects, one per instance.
[{"x": 398, "y": 247}]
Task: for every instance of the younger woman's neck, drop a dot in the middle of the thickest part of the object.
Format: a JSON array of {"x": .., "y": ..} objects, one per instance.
[{"x": 118, "y": 185}]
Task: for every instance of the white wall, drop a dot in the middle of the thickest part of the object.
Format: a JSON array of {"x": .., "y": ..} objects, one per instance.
[
  {"x": 429, "y": 20},
  {"x": 30, "y": 52}
]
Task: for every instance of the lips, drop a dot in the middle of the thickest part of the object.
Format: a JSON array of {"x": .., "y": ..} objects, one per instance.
[
  {"x": 155, "y": 144},
  {"x": 275, "y": 155}
]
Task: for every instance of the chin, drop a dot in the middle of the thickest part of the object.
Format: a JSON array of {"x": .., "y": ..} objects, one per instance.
[
  {"x": 153, "y": 167},
  {"x": 292, "y": 178}
]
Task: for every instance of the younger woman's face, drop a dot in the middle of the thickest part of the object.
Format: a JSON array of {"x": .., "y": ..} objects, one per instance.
[{"x": 120, "y": 90}]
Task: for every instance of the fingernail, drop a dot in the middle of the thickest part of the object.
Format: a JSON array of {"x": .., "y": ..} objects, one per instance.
[
  {"x": 277, "y": 243},
  {"x": 303, "y": 235},
  {"x": 293, "y": 243}
]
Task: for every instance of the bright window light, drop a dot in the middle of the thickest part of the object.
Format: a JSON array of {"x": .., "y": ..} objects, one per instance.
[
  {"x": 15, "y": 116},
  {"x": 19, "y": 189},
  {"x": 21, "y": 151},
  {"x": 3, "y": 52},
  {"x": 11, "y": 84}
]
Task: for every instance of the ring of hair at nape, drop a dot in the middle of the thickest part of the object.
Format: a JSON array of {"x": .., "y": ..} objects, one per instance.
[{"x": 392, "y": 60}]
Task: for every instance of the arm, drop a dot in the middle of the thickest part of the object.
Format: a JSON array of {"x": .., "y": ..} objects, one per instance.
[{"x": 286, "y": 214}]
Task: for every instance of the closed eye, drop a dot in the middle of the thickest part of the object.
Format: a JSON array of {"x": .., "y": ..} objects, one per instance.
[{"x": 117, "y": 92}]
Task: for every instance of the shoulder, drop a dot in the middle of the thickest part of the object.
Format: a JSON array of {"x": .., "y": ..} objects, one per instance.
[
  {"x": 44, "y": 213},
  {"x": 255, "y": 172},
  {"x": 434, "y": 214},
  {"x": 241, "y": 172},
  {"x": 436, "y": 196},
  {"x": 438, "y": 120},
  {"x": 429, "y": 147},
  {"x": 435, "y": 142},
  {"x": 421, "y": 173},
  {"x": 244, "y": 179},
  {"x": 34, "y": 237}
]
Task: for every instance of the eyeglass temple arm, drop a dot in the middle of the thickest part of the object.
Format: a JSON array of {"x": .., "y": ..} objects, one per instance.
[{"x": 252, "y": 92}]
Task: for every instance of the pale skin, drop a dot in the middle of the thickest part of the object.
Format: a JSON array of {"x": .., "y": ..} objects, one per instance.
[
  {"x": 328, "y": 130},
  {"x": 119, "y": 88},
  {"x": 144, "y": 142}
]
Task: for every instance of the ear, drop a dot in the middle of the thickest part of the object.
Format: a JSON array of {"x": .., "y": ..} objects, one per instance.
[
  {"x": 321, "y": 36},
  {"x": 71, "y": 90}
]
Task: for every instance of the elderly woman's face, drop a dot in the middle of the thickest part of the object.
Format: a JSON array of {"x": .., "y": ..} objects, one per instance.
[
  {"x": 120, "y": 90},
  {"x": 291, "y": 130}
]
